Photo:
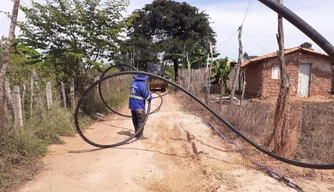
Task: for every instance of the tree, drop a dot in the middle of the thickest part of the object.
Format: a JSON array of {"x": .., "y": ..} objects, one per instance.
[
  {"x": 280, "y": 130},
  {"x": 169, "y": 27},
  {"x": 245, "y": 56},
  {"x": 4, "y": 62},
  {"x": 195, "y": 56},
  {"x": 22, "y": 60},
  {"x": 75, "y": 35},
  {"x": 306, "y": 45},
  {"x": 221, "y": 70}
]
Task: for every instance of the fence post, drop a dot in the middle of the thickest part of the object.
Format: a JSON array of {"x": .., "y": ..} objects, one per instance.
[
  {"x": 23, "y": 99},
  {"x": 38, "y": 90},
  {"x": 18, "y": 120},
  {"x": 31, "y": 95},
  {"x": 97, "y": 87},
  {"x": 9, "y": 98},
  {"x": 49, "y": 95},
  {"x": 72, "y": 96},
  {"x": 63, "y": 93}
]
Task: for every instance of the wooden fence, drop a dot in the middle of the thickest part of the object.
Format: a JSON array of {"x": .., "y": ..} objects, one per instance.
[
  {"x": 198, "y": 81},
  {"x": 40, "y": 95},
  {"x": 40, "y": 98}
]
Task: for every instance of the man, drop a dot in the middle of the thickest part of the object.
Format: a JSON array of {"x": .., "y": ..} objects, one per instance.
[{"x": 139, "y": 93}]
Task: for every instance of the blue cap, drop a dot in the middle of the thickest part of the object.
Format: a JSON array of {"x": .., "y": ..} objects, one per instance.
[{"x": 140, "y": 77}]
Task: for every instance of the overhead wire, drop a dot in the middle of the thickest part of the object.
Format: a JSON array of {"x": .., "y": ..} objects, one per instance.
[
  {"x": 247, "y": 12},
  {"x": 264, "y": 49},
  {"x": 250, "y": 2},
  {"x": 228, "y": 38}
]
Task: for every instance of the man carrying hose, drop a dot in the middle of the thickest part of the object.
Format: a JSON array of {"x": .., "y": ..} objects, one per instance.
[{"x": 139, "y": 93}]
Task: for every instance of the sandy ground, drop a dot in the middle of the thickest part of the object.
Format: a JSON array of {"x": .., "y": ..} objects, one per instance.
[{"x": 180, "y": 154}]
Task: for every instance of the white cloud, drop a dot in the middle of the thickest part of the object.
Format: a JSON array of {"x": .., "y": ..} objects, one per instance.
[{"x": 260, "y": 27}]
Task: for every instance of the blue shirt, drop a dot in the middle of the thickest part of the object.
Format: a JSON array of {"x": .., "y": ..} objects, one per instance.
[{"x": 139, "y": 93}]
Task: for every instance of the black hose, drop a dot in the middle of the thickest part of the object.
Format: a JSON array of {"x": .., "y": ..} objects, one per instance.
[
  {"x": 301, "y": 25},
  {"x": 228, "y": 124},
  {"x": 162, "y": 94},
  {"x": 159, "y": 106},
  {"x": 76, "y": 120},
  {"x": 100, "y": 89},
  {"x": 106, "y": 104}
]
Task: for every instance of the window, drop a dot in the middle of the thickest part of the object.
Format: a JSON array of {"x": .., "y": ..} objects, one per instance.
[{"x": 275, "y": 72}]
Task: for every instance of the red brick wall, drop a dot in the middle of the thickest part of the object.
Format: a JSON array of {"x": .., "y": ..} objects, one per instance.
[
  {"x": 253, "y": 80},
  {"x": 271, "y": 86},
  {"x": 321, "y": 75}
]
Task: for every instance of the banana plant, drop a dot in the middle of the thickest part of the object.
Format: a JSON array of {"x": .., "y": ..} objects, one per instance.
[{"x": 220, "y": 72}]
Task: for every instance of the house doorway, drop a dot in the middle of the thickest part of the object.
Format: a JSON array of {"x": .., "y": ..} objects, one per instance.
[{"x": 304, "y": 77}]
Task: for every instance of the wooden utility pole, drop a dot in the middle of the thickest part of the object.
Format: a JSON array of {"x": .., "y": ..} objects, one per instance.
[
  {"x": 236, "y": 78},
  {"x": 280, "y": 130},
  {"x": 4, "y": 62}
]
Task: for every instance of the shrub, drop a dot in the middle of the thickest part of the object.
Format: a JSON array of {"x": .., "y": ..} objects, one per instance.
[
  {"x": 48, "y": 125},
  {"x": 18, "y": 151},
  {"x": 92, "y": 103}
]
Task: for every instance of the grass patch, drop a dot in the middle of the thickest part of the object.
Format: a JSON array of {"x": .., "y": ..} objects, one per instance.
[
  {"x": 49, "y": 125},
  {"x": 115, "y": 97},
  {"x": 21, "y": 148}
]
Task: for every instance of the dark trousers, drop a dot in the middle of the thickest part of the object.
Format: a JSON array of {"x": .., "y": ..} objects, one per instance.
[{"x": 138, "y": 120}]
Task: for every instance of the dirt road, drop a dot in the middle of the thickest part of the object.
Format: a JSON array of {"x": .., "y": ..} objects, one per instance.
[{"x": 180, "y": 154}]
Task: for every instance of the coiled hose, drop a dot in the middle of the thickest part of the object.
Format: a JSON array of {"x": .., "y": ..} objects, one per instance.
[
  {"x": 113, "y": 110},
  {"x": 228, "y": 124}
]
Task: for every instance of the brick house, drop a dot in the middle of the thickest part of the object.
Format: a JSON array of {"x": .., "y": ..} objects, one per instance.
[{"x": 311, "y": 74}]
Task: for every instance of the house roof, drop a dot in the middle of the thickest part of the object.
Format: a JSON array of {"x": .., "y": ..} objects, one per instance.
[{"x": 286, "y": 52}]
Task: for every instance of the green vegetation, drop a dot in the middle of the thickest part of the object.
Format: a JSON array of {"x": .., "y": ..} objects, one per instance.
[
  {"x": 20, "y": 147},
  {"x": 19, "y": 150},
  {"x": 168, "y": 28},
  {"x": 75, "y": 36},
  {"x": 307, "y": 45},
  {"x": 92, "y": 103},
  {"x": 48, "y": 125},
  {"x": 74, "y": 39},
  {"x": 221, "y": 70}
]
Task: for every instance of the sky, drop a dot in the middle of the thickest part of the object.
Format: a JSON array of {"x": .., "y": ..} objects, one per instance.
[{"x": 259, "y": 28}]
